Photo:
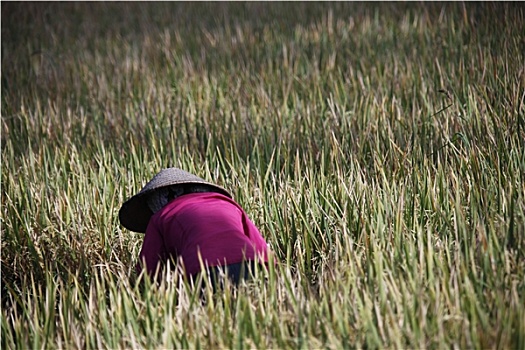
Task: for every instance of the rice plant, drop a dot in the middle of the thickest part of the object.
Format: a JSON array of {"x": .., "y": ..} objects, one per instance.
[{"x": 379, "y": 147}]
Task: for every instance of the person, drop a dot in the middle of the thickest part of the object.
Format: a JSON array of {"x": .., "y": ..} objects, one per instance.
[{"x": 195, "y": 224}]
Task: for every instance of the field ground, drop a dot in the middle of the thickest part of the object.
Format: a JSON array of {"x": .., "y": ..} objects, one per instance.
[{"x": 378, "y": 146}]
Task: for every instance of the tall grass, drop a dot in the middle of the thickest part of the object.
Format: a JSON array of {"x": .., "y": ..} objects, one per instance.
[{"x": 379, "y": 148}]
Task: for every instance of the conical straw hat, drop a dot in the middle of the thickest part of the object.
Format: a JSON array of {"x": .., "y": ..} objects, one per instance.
[{"x": 135, "y": 213}]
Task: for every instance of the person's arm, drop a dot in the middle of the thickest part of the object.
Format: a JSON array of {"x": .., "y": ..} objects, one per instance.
[
  {"x": 153, "y": 253},
  {"x": 260, "y": 245}
]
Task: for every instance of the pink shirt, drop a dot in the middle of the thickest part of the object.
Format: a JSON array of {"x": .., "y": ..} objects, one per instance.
[{"x": 209, "y": 223}]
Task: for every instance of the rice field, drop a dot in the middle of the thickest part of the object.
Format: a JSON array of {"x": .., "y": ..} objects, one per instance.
[{"x": 379, "y": 148}]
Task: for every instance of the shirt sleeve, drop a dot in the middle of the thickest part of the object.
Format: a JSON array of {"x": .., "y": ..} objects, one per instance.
[{"x": 153, "y": 253}]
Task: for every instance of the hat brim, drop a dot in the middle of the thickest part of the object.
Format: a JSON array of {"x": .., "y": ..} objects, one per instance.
[{"x": 135, "y": 214}]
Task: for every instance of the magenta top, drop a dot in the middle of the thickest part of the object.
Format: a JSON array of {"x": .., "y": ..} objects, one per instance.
[{"x": 209, "y": 223}]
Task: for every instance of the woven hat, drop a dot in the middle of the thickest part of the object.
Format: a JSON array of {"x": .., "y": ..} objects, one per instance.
[{"x": 135, "y": 213}]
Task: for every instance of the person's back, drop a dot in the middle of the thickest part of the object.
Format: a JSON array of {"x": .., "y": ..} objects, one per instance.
[{"x": 207, "y": 226}]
